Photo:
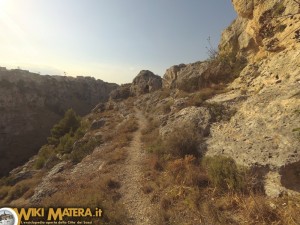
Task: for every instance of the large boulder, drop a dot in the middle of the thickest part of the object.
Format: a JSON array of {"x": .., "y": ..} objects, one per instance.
[
  {"x": 196, "y": 118},
  {"x": 171, "y": 75},
  {"x": 145, "y": 82},
  {"x": 236, "y": 37},
  {"x": 194, "y": 76}
]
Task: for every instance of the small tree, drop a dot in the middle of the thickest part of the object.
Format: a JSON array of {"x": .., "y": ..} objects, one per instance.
[{"x": 68, "y": 124}]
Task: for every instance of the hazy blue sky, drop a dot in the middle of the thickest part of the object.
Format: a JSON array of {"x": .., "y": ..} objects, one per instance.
[{"x": 108, "y": 39}]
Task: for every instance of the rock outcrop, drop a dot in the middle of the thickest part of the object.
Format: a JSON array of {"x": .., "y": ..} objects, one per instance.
[
  {"x": 262, "y": 51},
  {"x": 145, "y": 82},
  {"x": 261, "y": 27},
  {"x": 195, "y": 118},
  {"x": 261, "y": 132},
  {"x": 194, "y": 76},
  {"x": 30, "y": 104},
  {"x": 170, "y": 77}
]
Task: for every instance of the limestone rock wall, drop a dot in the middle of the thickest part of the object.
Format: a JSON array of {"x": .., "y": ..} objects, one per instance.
[
  {"x": 30, "y": 104},
  {"x": 264, "y": 93}
]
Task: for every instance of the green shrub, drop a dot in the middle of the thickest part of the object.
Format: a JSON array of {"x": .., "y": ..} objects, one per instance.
[
  {"x": 39, "y": 163},
  {"x": 69, "y": 124},
  {"x": 44, "y": 154},
  {"x": 65, "y": 144},
  {"x": 84, "y": 148},
  {"x": 224, "y": 174},
  {"x": 183, "y": 141}
]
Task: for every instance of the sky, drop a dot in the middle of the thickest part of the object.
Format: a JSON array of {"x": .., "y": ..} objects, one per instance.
[{"x": 111, "y": 40}]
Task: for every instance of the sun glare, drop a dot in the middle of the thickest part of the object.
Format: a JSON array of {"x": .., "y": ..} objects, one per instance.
[{"x": 3, "y": 4}]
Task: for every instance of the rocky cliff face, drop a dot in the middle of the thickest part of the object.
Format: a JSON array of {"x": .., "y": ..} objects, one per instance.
[
  {"x": 262, "y": 51},
  {"x": 30, "y": 104},
  {"x": 261, "y": 132},
  {"x": 262, "y": 28}
]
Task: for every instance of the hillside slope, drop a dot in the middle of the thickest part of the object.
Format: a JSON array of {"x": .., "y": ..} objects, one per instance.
[{"x": 31, "y": 104}]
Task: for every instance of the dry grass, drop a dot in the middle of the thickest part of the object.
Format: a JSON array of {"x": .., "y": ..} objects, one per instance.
[
  {"x": 101, "y": 192},
  {"x": 214, "y": 192},
  {"x": 164, "y": 93},
  {"x": 116, "y": 156},
  {"x": 187, "y": 172},
  {"x": 23, "y": 189},
  {"x": 128, "y": 126},
  {"x": 197, "y": 98}
]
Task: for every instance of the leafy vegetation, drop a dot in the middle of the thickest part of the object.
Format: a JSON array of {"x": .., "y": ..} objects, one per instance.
[
  {"x": 68, "y": 131},
  {"x": 69, "y": 124},
  {"x": 83, "y": 148},
  {"x": 225, "y": 174},
  {"x": 44, "y": 154},
  {"x": 182, "y": 141}
]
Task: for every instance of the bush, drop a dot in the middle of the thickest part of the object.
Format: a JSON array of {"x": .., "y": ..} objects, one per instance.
[
  {"x": 128, "y": 126},
  {"x": 84, "y": 148},
  {"x": 44, "y": 154},
  {"x": 39, "y": 163},
  {"x": 183, "y": 141},
  {"x": 224, "y": 174},
  {"x": 185, "y": 171},
  {"x": 65, "y": 144},
  {"x": 199, "y": 97},
  {"x": 69, "y": 124}
]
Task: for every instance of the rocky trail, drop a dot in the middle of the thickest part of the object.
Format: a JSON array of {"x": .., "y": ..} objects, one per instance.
[{"x": 135, "y": 201}]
